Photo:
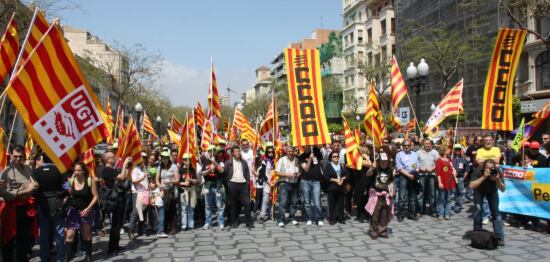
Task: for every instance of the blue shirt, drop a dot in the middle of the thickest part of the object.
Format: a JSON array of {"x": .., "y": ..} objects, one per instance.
[
  {"x": 407, "y": 161},
  {"x": 461, "y": 165}
]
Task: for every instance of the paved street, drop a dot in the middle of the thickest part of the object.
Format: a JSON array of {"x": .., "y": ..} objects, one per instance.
[{"x": 426, "y": 240}]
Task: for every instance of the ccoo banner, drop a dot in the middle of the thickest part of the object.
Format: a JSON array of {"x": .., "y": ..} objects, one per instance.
[
  {"x": 497, "y": 97},
  {"x": 527, "y": 191},
  {"x": 307, "y": 112}
]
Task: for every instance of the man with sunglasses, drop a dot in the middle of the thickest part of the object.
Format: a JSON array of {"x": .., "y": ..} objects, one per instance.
[
  {"x": 265, "y": 176},
  {"x": 17, "y": 236},
  {"x": 406, "y": 163}
]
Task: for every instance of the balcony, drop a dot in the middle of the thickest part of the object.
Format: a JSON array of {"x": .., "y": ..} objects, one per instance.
[{"x": 387, "y": 39}]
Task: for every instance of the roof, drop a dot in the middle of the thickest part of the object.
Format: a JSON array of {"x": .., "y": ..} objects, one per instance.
[{"x": 263, "y": 68}]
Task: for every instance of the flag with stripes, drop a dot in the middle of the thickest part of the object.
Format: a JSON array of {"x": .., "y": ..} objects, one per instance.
[
  {"x": 398, "y": 87},
  {"x": 174, "y": 138},
  {"x": 9, "y": 49},
  {"x": 175, "y": 125},
  {"x": 3, "y": 151},
  {"x": 148, "y": 125},
  {"x": 58, "y": 107},
  {"x": 131, "y": 146},
  {"x": 29, "y": 145},
  {"x": 411, "y": 125},
  {"x": 244, "y": 126},
  {"x": 373, "y": 118},
  {"x": 38, "y": 29},
  {"x": 538, "y": 119},
  {"x": 206, "y": 139},
  {"x": 188, "y": 142},
  {"x": 451, "y": 104},
  {"x": 214, "y": 111},
  {"x": 89, "y": 161},
  {"x": 110, "y": 121},
  {"x": 121, "y": 130},
  {"x": 199, "y": 115},
  {"x": 305, "y": 92},
  {"x": 268, "y": 130},
  {"x": 354, "y": 159}
]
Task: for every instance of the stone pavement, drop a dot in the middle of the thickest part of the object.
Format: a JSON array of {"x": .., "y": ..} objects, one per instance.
[{"x": 425, "y": 240}]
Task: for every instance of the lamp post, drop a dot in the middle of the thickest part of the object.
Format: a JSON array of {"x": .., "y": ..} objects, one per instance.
[
  {"x": 358, "y": 118},
  {"x": 159, "y": 119},
  {"x": 417, "y": 77},
  {"x": 139, "y": 109}
]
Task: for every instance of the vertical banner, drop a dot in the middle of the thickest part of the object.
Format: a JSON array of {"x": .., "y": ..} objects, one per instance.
[
  {"x": 307, "y": 112},
  {"x": 527, "y": 191},
  {"x": 497, "y": 97}
]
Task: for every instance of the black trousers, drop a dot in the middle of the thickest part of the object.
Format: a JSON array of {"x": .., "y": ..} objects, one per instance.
[
  {"x": 23, "y": 240},
  {"x": 258, "y": 199},
  {"x": 336, "y": 205},
  {"x": 117, "y": 220},
  {"x": 240, "y": 197}
]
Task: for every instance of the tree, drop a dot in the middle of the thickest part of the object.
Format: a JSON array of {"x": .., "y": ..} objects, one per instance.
[
  {"x": 378, "y": 73},
  {"x": 352, "y": 104},
  {"x": 520, "y": 10}
]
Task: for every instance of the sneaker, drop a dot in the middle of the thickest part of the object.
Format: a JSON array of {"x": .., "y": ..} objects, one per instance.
[
  {"x": 122, "y": 231},
  {"x": 281, "y": 224},
  {"x": 221, "y": 227},
  {"x": 447, "y": 217},
  {"x": 485, "y": 221},
  {"x": 162, "y": 235},
  {"x": 206, "y": 226},
  {"x": 294, "y": 222},
  {"x": 308, "y": 223},
  {"x": 320, "y": 223}
]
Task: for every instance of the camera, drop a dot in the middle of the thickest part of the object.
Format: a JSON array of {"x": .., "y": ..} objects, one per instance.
[{"x": 494, "y": 172}]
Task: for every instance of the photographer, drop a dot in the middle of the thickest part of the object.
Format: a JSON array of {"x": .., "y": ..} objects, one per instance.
[{"x": 485, "y": 182}]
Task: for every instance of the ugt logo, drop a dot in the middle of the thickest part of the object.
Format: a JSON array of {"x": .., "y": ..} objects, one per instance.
[{"x": 68, "y": 121}]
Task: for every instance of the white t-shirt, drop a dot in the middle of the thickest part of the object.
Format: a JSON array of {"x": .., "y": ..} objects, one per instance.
[
  {"x": 156, "y": 197},
  {"x": 141, "y": 186},
  {"x": 248, "y": 157},
  {"x": 287, "y": 166}
]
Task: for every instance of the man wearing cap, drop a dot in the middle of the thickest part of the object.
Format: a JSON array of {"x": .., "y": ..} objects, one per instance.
[
  {"x": 537, "y": 159},
  {"x": 237, "y": 175},
  {"x": 460, "y": 163}
]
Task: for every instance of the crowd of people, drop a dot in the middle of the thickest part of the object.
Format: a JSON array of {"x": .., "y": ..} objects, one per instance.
[{"x": 164, "y": 195}]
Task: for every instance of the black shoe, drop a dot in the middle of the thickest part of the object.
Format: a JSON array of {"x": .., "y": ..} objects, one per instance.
[
  {"x": 500, "y": 242},
  {"x": 235, "y": 225},
  {"x": 400, "y": 219},
  {"x": 332, "y": 223},
  {"x": 342, "y": 221},
  {"x": 412, "y": 218},
  {"x": 250, "y": 226}
]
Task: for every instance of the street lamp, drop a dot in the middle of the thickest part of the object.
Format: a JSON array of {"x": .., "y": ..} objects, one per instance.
[
  {"x": 139, "y": 109},
  {"x": 358, "y": 118},
  {"x": 159, "y": 119},
  {"x": 432, "y": 107},
  {"x": 417, "y": 77}
]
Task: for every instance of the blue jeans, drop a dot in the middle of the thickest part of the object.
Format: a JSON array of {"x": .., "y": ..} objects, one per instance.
[
  {"x": 214, "y": 197},
  {"x": 486, "y": 211},
  {"x": 160, "y": 218},
  {"x": 407, "y": 197},
  {"x": 459, "y": 194},
  {"x": 426, "y": 194},
  {"x": 288, "y": 198},
  {"x": 492, "y": 198},
  {"x": 187, "y": 216},
  {"x": 48, "y": 224},
  {"x": 444, "y": 203},
  {"x": 311, "y": 190}
]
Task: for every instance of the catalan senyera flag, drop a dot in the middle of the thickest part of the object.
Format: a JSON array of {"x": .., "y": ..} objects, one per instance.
[
  {"x": 373, "y": 118},
  {"x": 3, "y": 151},
  {"x": 38, "y": 29},
  {"x": 131, "y": 146},
  {"x": 206, "y": 139},
  {"x": 398, "y": 91},
  {"x": 199, "y": 115},
  {"x": 411, "y": 125},
  {"x": 244, "y": 126},
  {"x": 184, "y": 146},
  {"x": 110, "y": 121},
  {"x": 305, "y": 92},
  {"x": 29, "y": 145},
  {"x": 268, "y": 130},
  {"x": 452, "y": 104},
  {"x": 499, "y": 85},
  {"x": 175, "y": 125},
  {"x": 538, "y": 119},
  {"x": 357, "y": 135},
  {"x": 193, "y": 144},
  {"x": 174, "y": 138},
  {"x": 9, "y": 48},
  {"x": 214, "y": 109},
  {"x": 148, "y": 125},
  {"x": 120, "y": 124},
  {"x": 58, "y": 107},
  {"x": 89, "y": 160},
  {"x": 353, "y": 156}
]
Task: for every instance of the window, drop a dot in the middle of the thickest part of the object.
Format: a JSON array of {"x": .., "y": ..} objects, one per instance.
[
  {"x": 351, "y": 38},
  {"x": 542, "y": 25},
  {"x": 392, "y": 26},
  {"x": 393, "y": 50},
  {"x": 360, "y": 55},
  {"x": 542, "y": 71},
  {"x": 369, "y": 35},
  {"x": 359, "y": 36},
  {"x": 384, "y": 53},
  {"x": 383, "y": 25}
]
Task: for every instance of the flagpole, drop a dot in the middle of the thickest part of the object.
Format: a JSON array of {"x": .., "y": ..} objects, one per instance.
[
  {"x": 414, "y": 114},
  {"x": 372, "y": 132},
  {"x": 11, "y": 132}
]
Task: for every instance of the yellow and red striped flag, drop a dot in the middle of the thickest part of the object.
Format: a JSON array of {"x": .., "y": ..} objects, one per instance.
[
  {"x": 174, "y": 138},
  {"x": 131, "y": 146},
  {"x": 175, "y": 125},
  {"x": 268, "y": 130},
  {"x": 451, "y": 104},
  {"x": 537, "y": 121},
  {"x": 357, "y": 134},
  {"x": 58, "y": 107},
  {"x": 199, "y": 115},
  {"x": 9, "y": 48},
  {"x": 188, "y": 143},
  {"x": 89, "y": 160},
  {"x": 3, "y": 151},
  {"x": 307, "y": 111},
  {"x": 38, "y": 29},
  {"x": 29, "y": 145},
  {"x": 110, "y": 121},
  {"x": 148, "y": 125},
  {"x": 242, "y": 124},
  {"x": 206, "y": 139},
  {"x": 214, "y": 111},
  {"x": 411, "y": 125},
  {"x": 398, "y": 88},
  {"x": 353, "y": 156},
  {"x": 120, "y": 123},
  {"x": 373, "y": 127}
]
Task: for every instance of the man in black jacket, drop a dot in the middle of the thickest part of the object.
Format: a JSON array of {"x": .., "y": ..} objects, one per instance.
[{"x": 237, "y": 175}]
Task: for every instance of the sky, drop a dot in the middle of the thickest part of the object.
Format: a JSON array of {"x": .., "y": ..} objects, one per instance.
[{"x": 239, "y": 35}]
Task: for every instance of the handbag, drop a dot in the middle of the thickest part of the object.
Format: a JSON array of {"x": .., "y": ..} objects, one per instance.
[
  {"x": 483, "y": 239},
  {"x": 144, "y": 196}
]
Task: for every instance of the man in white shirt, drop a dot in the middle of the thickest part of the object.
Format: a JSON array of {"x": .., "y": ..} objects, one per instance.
[
  {"x": 288, "y": 172},
  {"x": 237, "y": 175}
]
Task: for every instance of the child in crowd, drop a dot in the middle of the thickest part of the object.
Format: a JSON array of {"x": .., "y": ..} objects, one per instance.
[{"x": 157, "y": 206}]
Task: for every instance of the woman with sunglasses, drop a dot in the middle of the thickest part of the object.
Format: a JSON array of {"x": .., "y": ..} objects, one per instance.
[
  {"x": 336, "y": 174},
  {"x": 82, "y": 198},
  {"x": 167, "y": 177}
]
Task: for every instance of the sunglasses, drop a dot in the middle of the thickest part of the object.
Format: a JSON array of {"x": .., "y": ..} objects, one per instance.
[
  {"x": 335, "y": 157},
  {"x": 270, "y": 152}
]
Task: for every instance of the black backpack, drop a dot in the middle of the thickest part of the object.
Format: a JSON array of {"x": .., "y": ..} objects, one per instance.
[{"x": 483, "y": 239}]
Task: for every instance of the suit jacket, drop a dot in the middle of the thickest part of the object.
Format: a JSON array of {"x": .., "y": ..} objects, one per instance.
[
  {"x": 329, "y": 173},
  {"x": 228, "y": 170}
]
